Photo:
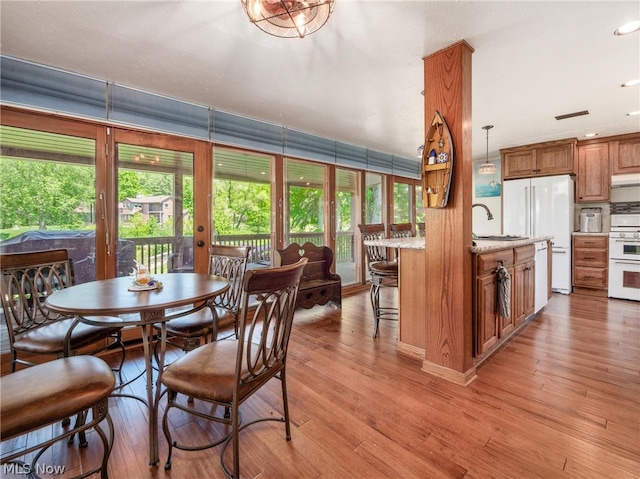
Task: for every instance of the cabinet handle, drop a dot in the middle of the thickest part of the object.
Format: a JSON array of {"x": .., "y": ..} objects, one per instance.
[{"x": 589, "y": 257}]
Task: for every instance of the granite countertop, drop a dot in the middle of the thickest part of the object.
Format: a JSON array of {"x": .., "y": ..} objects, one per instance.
[
  {"x": 484, "y": 246},
  {"x": 479, "y": 246},
  {"x": 416, "y": 242},
  {"x": 580, "y": 233}
]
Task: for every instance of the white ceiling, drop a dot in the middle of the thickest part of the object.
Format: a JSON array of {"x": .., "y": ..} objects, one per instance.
[{"x": 359, "y": 78}]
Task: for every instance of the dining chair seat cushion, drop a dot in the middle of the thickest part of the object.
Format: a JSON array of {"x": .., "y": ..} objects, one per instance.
[
  {"x": 388, "y": 268},
  {"x": 208, "y": 372},
  {"x": 199, "y": 323},
  {"x": 52, "y": 391},
  {"x": 50, "y": 338}
]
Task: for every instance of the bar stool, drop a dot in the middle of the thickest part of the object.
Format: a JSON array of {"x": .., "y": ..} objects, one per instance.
[
  {"x": 401, "y": 230},
  {"x": 383, "y": 273}
]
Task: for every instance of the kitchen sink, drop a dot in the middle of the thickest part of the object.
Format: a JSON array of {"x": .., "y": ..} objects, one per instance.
[{"x": 502, "y": 238}]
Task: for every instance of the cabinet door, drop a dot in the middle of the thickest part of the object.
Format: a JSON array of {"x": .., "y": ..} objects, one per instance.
[
  {"x": 593, "y": 172},
  {"x": 554, "y": 160},
  {"x": 519, "y": 164},
  {"x": 486, "y": 318},
  {"x": 529, "y": 288},
  {"x": 625, "y": 156}
]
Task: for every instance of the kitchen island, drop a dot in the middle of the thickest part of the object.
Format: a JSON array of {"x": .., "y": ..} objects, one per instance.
[{"x": 489, "y": 328}]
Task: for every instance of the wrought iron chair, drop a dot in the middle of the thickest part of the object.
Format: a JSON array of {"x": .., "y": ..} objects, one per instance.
[
  {"x": 383, "y": 272},
  {"x": 401, "y": 230},
  {"x": 26, "y": 280},
  {"x": 203, "y": 325},
  {"x": 226, "y": 373}
]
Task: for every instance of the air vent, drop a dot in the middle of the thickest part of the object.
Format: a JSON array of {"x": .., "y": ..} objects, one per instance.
[{"x": 571, "y": 115}]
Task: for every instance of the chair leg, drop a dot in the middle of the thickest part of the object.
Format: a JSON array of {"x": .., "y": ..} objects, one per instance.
[
  {"x": 285, "y": 405},
  {"x": 171, "y": 397},
  {"x": 375, "y": 304}
]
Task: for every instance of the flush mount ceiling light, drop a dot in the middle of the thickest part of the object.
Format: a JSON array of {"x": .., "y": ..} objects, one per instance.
[
  {"x": 487, "y": 168},
  {"x": 288, "y": 18},
  {"x": 631, "y": 83},
  {"x": 628, "y": 28}
]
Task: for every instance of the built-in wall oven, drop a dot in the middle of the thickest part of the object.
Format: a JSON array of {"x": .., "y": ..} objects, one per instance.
[{"x": 624, "y": 251}]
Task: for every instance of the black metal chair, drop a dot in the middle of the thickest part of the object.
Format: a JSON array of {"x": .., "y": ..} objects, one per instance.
[
  {"x": 226, "y": 373},
  {"x": 383, "y": 272}
]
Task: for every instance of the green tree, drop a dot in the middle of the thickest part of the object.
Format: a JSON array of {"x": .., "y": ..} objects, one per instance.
[
  {"x": 305, "y": 210},
  {"x": 45, "y": 194},
  {"x": 241, "y": 207}
]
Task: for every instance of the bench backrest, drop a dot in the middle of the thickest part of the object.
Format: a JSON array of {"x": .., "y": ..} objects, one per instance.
[{"x": 319, "y": 264}]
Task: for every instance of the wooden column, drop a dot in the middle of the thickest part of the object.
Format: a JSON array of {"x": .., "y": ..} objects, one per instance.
[{"x": 448, "y": 315}]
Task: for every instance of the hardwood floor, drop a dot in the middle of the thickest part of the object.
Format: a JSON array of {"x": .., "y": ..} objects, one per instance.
[{"x": 561, "y": 400}]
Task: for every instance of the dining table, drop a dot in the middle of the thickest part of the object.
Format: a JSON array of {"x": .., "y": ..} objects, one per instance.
[{"x": 174, "y": 295}]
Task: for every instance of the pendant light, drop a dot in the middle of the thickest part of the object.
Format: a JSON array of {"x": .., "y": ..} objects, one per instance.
[
  {"x": 288, "y": 18},
  {"x": 487, "y": 168}
]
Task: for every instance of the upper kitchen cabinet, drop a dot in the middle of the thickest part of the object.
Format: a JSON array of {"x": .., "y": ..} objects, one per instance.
[
  {"x": 593, "y": 176},
  {"x": 625, "y": 154},
  {"x": 541, "y": 159}
]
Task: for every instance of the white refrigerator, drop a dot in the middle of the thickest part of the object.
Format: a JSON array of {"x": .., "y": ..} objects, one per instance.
[{"x": 543, "y": 207}]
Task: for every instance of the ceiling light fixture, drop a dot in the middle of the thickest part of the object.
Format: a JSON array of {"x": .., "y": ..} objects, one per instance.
[
  {"x": 288, "y": 18},
  {"x": 590, "y": 135},
  {"x": 631, "y": 83},
  {"x": 487, "y": 168},
  {"x": 633, "y": 113},
  {"x": 628, "y": 28}
]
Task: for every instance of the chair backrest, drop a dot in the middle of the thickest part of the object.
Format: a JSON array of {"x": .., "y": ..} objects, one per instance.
[
  {"x": 371, "y": 232},
  {"x": 265, "y": 330},
  {"x": 401, "y": 230},
  {"x": 229, "y": 262},
  {"x": 420, "y": 229},
  {"x": 26, "y": 279}
]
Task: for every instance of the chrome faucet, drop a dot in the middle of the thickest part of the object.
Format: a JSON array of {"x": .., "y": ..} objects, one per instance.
[{"x": 489, "y": 215}]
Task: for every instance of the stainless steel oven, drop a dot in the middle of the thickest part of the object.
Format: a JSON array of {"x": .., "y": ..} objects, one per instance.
[{"x": 624, "y": 251}]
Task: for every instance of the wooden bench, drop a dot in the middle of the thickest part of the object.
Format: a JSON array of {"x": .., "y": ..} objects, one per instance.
[{"x": 318, "y": 285}]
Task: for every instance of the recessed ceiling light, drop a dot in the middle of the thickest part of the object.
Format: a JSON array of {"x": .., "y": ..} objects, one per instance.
[
  {"x": 628, "y": 28},
  {"x": 590, "y": 135},
  {"x": 632, "y": 82},
  {"x": 633, "y": 113}
]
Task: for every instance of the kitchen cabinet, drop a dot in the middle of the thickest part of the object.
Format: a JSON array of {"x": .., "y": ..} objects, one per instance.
[
  {"x": 625, "y": 154},
  {"x": 541, "y": 159},
  {"x": 593, "y": 176},
  {"x": 523, "y": 283},
  {"x": 491, "y": 328},
  {"x": 590, "y": 264}
]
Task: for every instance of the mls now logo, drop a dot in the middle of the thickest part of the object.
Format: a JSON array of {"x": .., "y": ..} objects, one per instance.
[{"x": 27, "y": 469}]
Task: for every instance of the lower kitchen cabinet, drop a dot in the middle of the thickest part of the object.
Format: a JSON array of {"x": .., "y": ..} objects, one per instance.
[
  {"x": 490, "y": 327},
  {"x": 524, "y": 283},
  {"x": 590, "y": 264}
]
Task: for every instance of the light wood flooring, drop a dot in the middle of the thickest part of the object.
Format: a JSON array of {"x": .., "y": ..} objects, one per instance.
[{"x": 561, "y": 400}]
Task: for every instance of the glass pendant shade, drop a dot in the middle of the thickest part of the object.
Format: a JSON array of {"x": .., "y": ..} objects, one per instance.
[
  {"x": 487, "y": 168},
  {"x": 288, "y": 18}
]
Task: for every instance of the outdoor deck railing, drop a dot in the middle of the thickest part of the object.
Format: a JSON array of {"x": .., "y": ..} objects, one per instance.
[{"x": 160, "y": 254}]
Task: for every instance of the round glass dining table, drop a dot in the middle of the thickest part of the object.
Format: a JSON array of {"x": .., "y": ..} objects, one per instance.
[{"x": 188, "y": 292}]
